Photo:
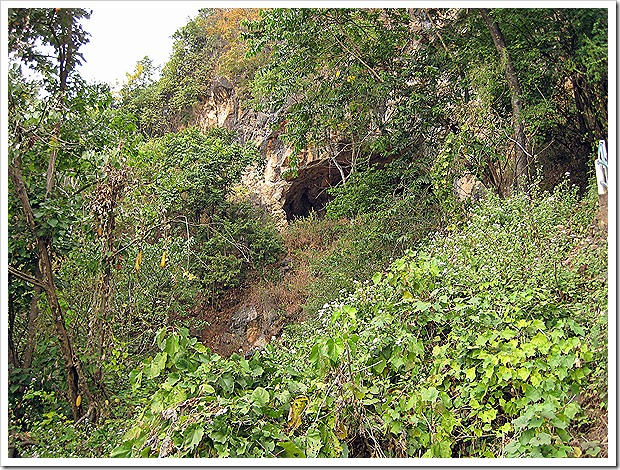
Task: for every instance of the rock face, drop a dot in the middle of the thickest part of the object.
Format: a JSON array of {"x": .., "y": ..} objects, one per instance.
[
  {"x": 268, "y": 185},
  {"x": 253, "y": 328},
  {"x": 468, "y": 186}
]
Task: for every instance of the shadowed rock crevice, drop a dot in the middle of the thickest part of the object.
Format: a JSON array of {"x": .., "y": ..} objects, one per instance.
[{"x": 308, "y": 191}]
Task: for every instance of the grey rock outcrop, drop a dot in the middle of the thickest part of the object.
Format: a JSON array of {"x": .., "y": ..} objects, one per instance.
[{"x": 283, "y": 198}]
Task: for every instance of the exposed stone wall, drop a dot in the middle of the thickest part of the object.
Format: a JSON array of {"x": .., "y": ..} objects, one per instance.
[{"x": 269, "y": 188}]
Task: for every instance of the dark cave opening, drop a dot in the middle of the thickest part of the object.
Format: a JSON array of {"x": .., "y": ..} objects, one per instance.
[
  {"x": 308, "y": 191},
  {"x": 303, "y": 203}
]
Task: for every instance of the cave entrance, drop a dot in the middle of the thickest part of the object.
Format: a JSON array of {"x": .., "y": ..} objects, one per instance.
[
  {"x": 302, "y": 203},
  {"x": 308, "y": 191}
]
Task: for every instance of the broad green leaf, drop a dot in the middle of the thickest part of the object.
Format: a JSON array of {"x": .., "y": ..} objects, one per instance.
[
  {"x": 135, "y": 378},
  {"x": 172, "y": 345},
  {"x": 421, "y": 306},
  {"x": 158, "y": 364},
  {"x": 260, "y": 396},
  {"x": 523, "y": 323},
  {"x": 470, "y": 373},
  {"x": 291, "y": 450},
  {"x": 506, "y": 428},
  {"x": 488, "y": 415},
  {"x": 349, "y": 310},
  {"x": 314, "y": 354},
  {"x": 298, "y": 405},
  {"x": 313, "y": 443},
  {"x": 522, "y": 373},
  {"x": 429, "y": 394},
  {"x": 541, "y": 342},
  {"x": 523, "y": 421},
  {"x": 160, "y": 336},
  {"x": 335, "y": 348},
  {"x": 541, "y": 439},
  {"x": 571, "y": 410},
  {"x": 122, "y": 451},
  {"x": 173, "y": 377},
  {"x": 227, "y": 383},
  {"x": 535, "y": 379},
  {"x": 183, "y": 363},
  {"x": 193, "y": 435},
  {"x": 504, "y": 373},
  {"x": 208, "y": 389},
  {"x": 416, "y": 347},
  {"x": 157, "y": 402},
  {"x": 507, "y": 333},
  {"x": 529, "y": 349}
]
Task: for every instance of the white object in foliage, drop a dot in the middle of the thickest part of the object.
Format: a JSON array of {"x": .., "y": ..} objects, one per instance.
[{"x": 601, "y": 167}]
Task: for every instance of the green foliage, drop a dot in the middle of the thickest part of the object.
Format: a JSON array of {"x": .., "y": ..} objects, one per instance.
[
  {"x": 473, "y": 346},
  {"x": 345, "y": 67},
  {"x": 184, "y": 81},
  {"x": 489, "y": 340},
  {"x": 65, "y": 132},
  {"x": 547, "y": 56},
  {"x": 183, "y": 203},
  {"x": 377, "y": 80},
  {"x": 60, "y": 29},
  {"x": 189, "y": 248},
  {"x": 374, "y": 189},
  {"x": 192, "y": 172},
  {"x": 387, "y": 211}
]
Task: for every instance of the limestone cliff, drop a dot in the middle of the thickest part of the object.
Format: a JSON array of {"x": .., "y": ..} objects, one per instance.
[{"x": 284, "y": 198}]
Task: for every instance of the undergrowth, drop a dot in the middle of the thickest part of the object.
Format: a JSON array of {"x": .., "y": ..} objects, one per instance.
[
  {"x": 342, "y": 251},
  {"x": 488, "y": 340},
  {"x": 481, "y": 343}
]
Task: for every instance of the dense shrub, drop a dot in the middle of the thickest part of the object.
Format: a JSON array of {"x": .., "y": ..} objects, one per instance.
[
  {"x": 473, "y": 345},
  {"x": 374, "y": 189},
  {"x": 191, "y": 173}
]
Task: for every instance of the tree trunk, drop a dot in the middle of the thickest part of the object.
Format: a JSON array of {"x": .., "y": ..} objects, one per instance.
[
  {"x": 521, "y": 164},
  {"x": 108, "y": 194},
  {"x": 65, "y": 52},
  {"x": 102, "y": 312},
  {"x": 76, "y": 379},
  {"x": 13, "y": 361},
  {"x": 32, "y": 319},
  {"x": 586, "y": 113}
]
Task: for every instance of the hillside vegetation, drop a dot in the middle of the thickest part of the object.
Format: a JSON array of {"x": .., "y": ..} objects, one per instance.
[
  {"x": 407, "y": 320},
  {"x": 487, "y": 341}
]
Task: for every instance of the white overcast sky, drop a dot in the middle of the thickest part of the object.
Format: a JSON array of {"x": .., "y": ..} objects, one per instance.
[{"x": 122, "y": 33}]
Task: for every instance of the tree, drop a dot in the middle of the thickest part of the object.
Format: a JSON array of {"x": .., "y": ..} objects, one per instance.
[
  {"x": 59, "y": 28},
  {"x": 137, "y": 94},
  {"x": 520, "y": 160},
  {"x": 336, "y": 78},
  {"x": 546, "y": 48},
  {"x": 429, "y": 81},
  {"x": 206, "y": 47},
  {"x": 68, "y": 142}
]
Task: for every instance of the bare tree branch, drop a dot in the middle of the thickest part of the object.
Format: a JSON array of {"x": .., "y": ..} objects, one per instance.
[{"x": 26, "y": 277}]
